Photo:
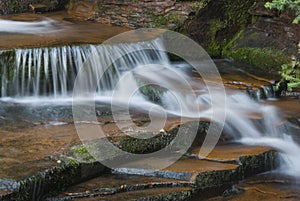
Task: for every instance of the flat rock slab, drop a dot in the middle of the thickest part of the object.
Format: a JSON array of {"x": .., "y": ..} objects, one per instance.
[
  {"x": 182, "y": 176},
  {"x": 123, "y": 187},
  {"x": 118, "y": 180},
  {"x": 27, "y": 151},
  {"x": 175, "y": 193},
  {"x": 184, "y": 169},
  {"x": 189, "y": 165},
  {"x": 62, "y": 30},
  {"x": 231, "y": 152}
]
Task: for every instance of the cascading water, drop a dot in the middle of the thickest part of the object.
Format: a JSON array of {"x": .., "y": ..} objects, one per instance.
[{"x": 51, "y": 72}]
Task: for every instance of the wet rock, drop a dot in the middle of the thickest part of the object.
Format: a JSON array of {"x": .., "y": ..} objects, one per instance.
[
  {"x": 83, "y": 10},
  {"x": 217, "y": 23},
  {"x": 7, "y": 185},
  {"x": 246, "y": 32},
  {"x": 53, "y": 180},
  {"x": 259, "y": 163},
  {"x": 112, "y": 186},
  {"x": 146, "y": 13},
  {"x": 206, "y": 175}
]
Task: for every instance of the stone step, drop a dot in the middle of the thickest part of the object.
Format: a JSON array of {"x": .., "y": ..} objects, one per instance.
[
  {"x": 178, "y": 193},
  {"x": 225, "y": 166},
  {"x": 125, "y": 187},
  {"x": 229, "y": 152},
  {"x": 184, "y": 169}
]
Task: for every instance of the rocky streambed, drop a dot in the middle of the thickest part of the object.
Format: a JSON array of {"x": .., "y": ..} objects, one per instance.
[
  {"x": 225, "y": 166},
  {"x": 42, "y": 157}
]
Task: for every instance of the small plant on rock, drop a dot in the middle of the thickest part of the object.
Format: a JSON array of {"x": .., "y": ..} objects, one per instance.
[{"x": 283, "y": 4}]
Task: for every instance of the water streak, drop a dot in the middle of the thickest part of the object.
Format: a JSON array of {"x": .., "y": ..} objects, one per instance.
[{"x": 37, "y": 27}]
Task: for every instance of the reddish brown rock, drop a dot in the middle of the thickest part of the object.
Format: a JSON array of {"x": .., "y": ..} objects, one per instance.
[{"x": 84, "y": 10}]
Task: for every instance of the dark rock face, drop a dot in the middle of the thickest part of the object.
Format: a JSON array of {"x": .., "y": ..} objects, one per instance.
[
  {"x": 268, "y": 42},
  {"x": 216, "y": 24},
  {"x": 245, "y": 31}
]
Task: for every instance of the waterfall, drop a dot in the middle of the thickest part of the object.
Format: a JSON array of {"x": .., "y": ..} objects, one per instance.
[
  {"x": 51, "y": 72},
  {"x": 40, "y": 71}
]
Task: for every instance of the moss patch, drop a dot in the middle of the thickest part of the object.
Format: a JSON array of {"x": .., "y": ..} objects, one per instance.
[
  {"x": 268, "y": 58},
  {"x": 164, "y": 20},
  {"x": 217, "y": 23},
  {"x": 152, "y": 142},
  {"x": 81, "y": 153}
]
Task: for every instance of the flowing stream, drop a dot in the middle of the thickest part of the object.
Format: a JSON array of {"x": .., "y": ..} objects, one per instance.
[
  {"x": 147, "y": 81},
  {"x": 37, "y": 27}
]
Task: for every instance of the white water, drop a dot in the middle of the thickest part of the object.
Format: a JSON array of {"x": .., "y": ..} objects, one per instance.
[
  {"x": 48, "y": 74},
  {"x": 38, "y": 27}
]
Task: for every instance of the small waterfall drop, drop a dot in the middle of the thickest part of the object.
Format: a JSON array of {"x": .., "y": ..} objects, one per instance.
[
  {"x": 51, "y": 72},
  {"x": 40, "y": 71}
]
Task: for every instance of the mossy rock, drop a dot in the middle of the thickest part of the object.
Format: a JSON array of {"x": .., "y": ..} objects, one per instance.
[
  {"x": 217, "y": 23},
  {"x": 269, "y": 59},
  {"x": 154, "y": 93},
  {"x": 213, "y": 179},
  {"x": 150, "y": 142}
]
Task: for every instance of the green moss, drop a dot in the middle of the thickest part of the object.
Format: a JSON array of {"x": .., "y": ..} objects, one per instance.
[
  {"x": 81, "y": 153},
  {"x": 152, "y": 92},
  {"x": 268, "y": 58},
  {"x": 150, "y": 144},
  {"x": 72, "y": 162},
  {"x": 164, "y": 20},
  {"x": 215, "y": 179},
  {"x": 198, "y": 5},
  {"x": 215, "y": 46},
  {"x": 231, "y": 44},
  {"x": 183, "y": 195},
  {"x": 219, "y": 22}
]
